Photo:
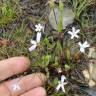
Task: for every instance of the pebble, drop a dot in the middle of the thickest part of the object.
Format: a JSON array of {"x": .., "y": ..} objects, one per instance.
[
  {"x": 68, "y": 17},
  {"x": 92, "y": 53},
  {"x": 90, "y": 73}
]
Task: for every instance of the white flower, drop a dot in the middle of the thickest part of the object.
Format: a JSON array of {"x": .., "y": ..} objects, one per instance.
[
  {"x": 35, "y": 43},
  {"x": 61, "y": 84},
  {"x": 74, "y": 33},
  {"x": 16, "y": 87},
  {"x": 38, "y": 27},
  {"x": 83, "y": 46}
]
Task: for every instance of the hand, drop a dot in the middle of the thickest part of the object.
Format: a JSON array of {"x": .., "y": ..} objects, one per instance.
[{"x": 29, "y": 85}]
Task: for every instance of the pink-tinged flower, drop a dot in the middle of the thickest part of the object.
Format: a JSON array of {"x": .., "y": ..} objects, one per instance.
[{"x": 35, "y": 43}]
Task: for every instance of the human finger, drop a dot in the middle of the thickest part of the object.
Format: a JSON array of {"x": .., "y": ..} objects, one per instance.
[
  {"x": 19, "y": 86},
  {"x": 13, "y": 66}
]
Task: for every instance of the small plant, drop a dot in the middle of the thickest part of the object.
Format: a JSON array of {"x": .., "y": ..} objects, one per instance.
[
  {"x": 60, "y": 22},
  {"x": 8, "y": 12},
  {"x": 44, "y": 58},
  {"x": 79, "y": 6}
]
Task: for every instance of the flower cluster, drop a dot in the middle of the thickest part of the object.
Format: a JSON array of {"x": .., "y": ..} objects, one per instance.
[{"x": 74, "y": 33}]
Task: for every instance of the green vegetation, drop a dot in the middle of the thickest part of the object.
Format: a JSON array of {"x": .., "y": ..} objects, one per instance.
[
  {"x": 61, "y": 10},
  {"x": 8, "y": 11},
  {"x": 79, "y": 6},
  {"x": 55, "y": 50}
]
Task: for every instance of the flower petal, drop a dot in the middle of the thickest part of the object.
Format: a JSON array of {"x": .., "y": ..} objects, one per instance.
[
  {"x": 38, "y": 37},
  {"x": 36, "y": 26},
  {"x": 33, "y": 42},
  {"x": 39, "y": 25},
  {"x": 76, "y": 36},
  {"x": 58, "y": 87},
  {"x": 72, "y": 36},
  {"x": 65, "y": 83},
  {"x": 86, "y": 44},
  {"x": 63, "y": 89},
  {"x": 80, "y": 44},
  {"x": 77, "y": 31},
  {"x": 63, "y": 78},
  {"x": 36, "y": 30},
  {"x": 69, "y": 32},
  {"x": 73, "y": 29},
  {"x": 33, "y": 47}
]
